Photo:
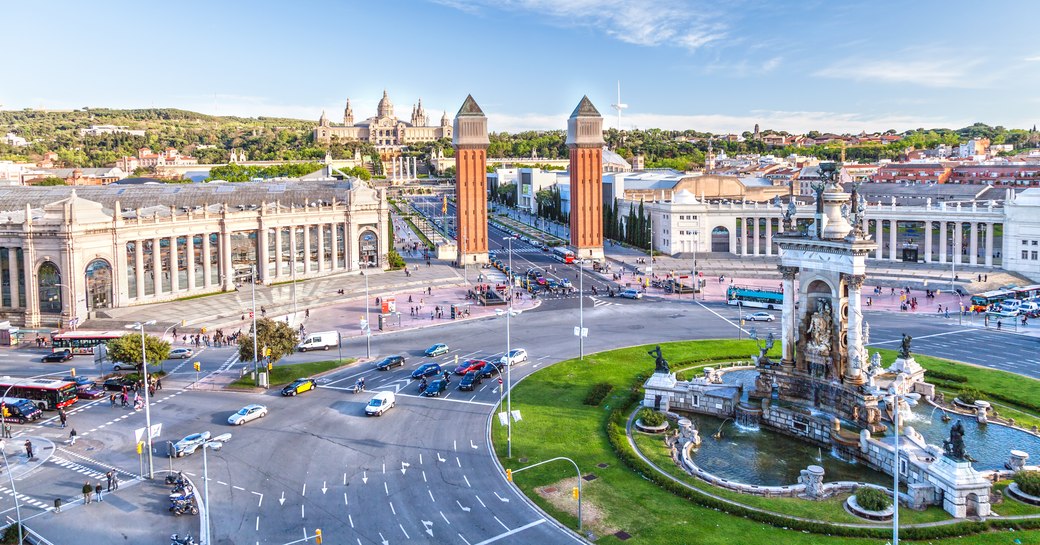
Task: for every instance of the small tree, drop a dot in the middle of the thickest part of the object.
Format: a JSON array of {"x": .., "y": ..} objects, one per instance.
[
  {"x": 872, "y": 499},
  {"x": 1028, "y": 482},
  {"x": 271, "y": 334},
  {"x": 127, "y": 349}
]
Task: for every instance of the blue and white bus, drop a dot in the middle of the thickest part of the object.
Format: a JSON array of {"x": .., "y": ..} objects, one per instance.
[{"x": 754, "y": 297}]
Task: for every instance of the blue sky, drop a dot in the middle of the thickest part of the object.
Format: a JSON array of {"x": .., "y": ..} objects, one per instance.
[{"x": 722, "y": 66}]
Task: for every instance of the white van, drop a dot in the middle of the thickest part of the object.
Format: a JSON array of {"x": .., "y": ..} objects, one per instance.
[
  {"x": 1010, "y": 305},
  {"x": 322, "y": 340},
  {"x": 380, "y": 403}
]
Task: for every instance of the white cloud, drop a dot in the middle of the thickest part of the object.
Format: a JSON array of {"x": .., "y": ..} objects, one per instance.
[
  {"x": 771, "y": 64},
  {"x": 689, "y": 24},
  {"x": 1035, "y": 58},
  {"x": 928, "y": 73}
]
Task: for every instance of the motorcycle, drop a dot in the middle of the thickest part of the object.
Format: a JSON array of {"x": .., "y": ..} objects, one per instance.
[
  {"x": 422, "y": 386},
  {"x": 177, "y": 479},
  {"x": 178, "y": 507},
  {"x": 178, "y": 540}
]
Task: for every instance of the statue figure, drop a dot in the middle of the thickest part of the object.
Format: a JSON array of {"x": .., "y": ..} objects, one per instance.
[
  {"x": 820, "y": 326},
  {"x": 954, "y": 446},
  {"x": 866, "y": 333},
  {"x": 762, "y": 358},
  {"x": 661, "y": 366},
  {"x": 904, "y": 350}
]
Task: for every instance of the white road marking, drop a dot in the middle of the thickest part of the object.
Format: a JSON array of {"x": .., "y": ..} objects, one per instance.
[
  {"x": 258, "y": 523},
  {"x": 237, "y": 487},
  {"x": 454, "y": 445},
  {"x": 406, "y": 536},
  {"x": 420, "y": 458},
  {"x": 480, "y": 500},
  {"x": 466, "y": 509},
  {"x": 386, "y": 488},
  {"x": 467, "y": 481},
  {"x": 500, "y": 498},
  {"x": 923, "y": 336},
  {"x": 444, "y": 517},
  {"x": 261, "y": 499},
  {"x": 424, "y": 476},
  {"x": 457, "y": 461},
  {"x": 431, "y": 495},
  {"x": 511, "y": 532},
  {"x": 463, "y": 539},
  {"x": 351, "y": 520},
  {"x": 502, "y": 523},
  {"x": 345, "y": 502},
  {"x": 302, "y": 514},
  {"x": 222, "y": 482},
  {"x": 392, "y": 510}
]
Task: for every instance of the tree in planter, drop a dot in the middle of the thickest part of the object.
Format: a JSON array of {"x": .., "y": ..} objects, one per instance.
[
  {"x": 872, "y": 499},
  {"x": 650, "y": 417},
  {"x": 127, "y": 349},
  {"x": 274, "y": 335},
  {"x": 1028, "y": 482},
  {"x": 969, "y": 395}
]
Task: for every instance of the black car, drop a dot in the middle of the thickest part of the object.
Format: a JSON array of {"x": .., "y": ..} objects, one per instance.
[
  {"x": 489, "y": 370},
  {"x": 435, "y": 388},
  {"x": 469, "y": 381},
  {"x": 390, "y": 362},
  {"x": 117, "y": 383},
  {"x": 60, "y": 356},
  {"x": 427, "y": 370}
]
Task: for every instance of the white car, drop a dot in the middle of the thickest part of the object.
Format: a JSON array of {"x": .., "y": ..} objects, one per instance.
[
  {"x": 516, "y": 355},
  {"x": 189, "y": 444},
  {"x": 380, "y": 403},
  {"x": 759, "y": 317},
  {"x": 247, "y": 413},
  {"x": 181, "y": 353},
  {"x": 631, "y": 294}
]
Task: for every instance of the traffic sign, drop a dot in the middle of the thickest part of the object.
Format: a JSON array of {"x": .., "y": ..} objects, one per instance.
[{"x": 500, "y": 380}]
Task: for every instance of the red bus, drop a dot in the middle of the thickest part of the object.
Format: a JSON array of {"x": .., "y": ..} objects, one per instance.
[
  {"x": 561, "y": 253},
  {"x": 47, "y": 394},
  {"x": 82, "y": 342}
]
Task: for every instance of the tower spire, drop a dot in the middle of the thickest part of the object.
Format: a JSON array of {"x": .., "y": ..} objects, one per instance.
[{"x": 619, "y": 105}]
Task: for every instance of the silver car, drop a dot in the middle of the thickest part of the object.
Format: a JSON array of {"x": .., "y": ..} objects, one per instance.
[
  {"x": 759, "y": 317},
  {"x": 189, "y": 444},
  {"x": 247, "y": 413},
  {"x": 181, "y": 353}
]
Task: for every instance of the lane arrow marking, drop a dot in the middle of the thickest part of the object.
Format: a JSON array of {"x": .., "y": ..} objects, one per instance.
[
  {"x": 505, "y": 500},
  {"x": 324, "y": 488},
  {"x": 404, "y": 467},
  {"x": 364, "y": 477},
  {"x": 466, "y": 509},
  {"x": 281, "y": 500}
]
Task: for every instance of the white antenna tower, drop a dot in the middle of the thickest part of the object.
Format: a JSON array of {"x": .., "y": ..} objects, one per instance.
[{"x": 619, "y": 105}]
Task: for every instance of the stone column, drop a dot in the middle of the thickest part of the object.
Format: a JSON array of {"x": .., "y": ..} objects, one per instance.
[
  {"x": 189, "y": 252},
  {"x": 973, "y": 244},
  {"x": 958, "y": 241},
  {"x": 175, "y": 281},
  {"x": 32, "y": 293},
  {"x": 157, "y": 269},
  {"x": 755, "y": 232},
  {"x": 744, "y": 232},
  {"x": 989, "y": 245},
  {"x": 321, "y": 246},
  {"x": 769, "y": 236},
  {"x": 12, "y": 270},
  {"x": 225, "y": 258},
  {"x": 928, "y": 241},
  {"x": 854, "y": 334},
  {"x": 893, "y": 230},
  {"x": 139, "y": 267},
  {"x": 263, "y": 254},
  {"x": 277, "y": 251},
  {"x": 879, "y": 231},
  {"x": 207, "y": 267},
  {"x": 942, "y": 241},
  {"x": 292, "y": 250},
  {"x": 306, "y": 249},
  {"x": 334, "y": 247},
  {"x": 733, "y": 240},
  {"x": 787, "y": 316}
]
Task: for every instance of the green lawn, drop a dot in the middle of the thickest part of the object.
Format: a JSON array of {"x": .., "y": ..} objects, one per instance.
[
  {"x": 284, "y": 374},
  {"x": 556, "y": 423},
  {"x": 1010, "y": 507}
]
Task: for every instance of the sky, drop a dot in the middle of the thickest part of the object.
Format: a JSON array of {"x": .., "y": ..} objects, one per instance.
[{"x": 718, "y": 66}]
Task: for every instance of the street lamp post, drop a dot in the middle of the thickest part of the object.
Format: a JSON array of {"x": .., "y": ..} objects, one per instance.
[
  {"x": 894, "y": 398},
  {"x": 509, "y": 368},
  {"x": 252, "y": 282},
  {"x": 581, "y": 311},
  {"x": 147, "y": 408}
]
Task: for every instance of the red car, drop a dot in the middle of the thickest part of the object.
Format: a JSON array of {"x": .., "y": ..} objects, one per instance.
[{"x": 469, "y": 365}]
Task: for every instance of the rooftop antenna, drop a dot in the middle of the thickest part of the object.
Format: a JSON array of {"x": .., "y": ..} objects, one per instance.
[{"x": 619, "y": 105}]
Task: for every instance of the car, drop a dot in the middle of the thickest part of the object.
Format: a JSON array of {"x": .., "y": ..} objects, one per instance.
[
  {"x": 469, "y": 381},
  {"x": 631, "y": 294},
  {"x": 123, "y": 366},
  {"x": 435, "y": 388},
  {"x": 299, "y": 386},
  {"x": 390, "y": 362},
  {"x": 89, "y": 391},
  {"x": 553, "y": 285},
  {"x": 116, "y": 384},
  {"x": 566, "y": 282},
  {"x": 489, "y": 370},
  {"x": 78, "y": 381},
  {"x": 469, "y": 365},
  {"x": 545, "y": 248},
  {"x": 380, "y": 403},
  {"x": 59, "y": 356},
  {"x": 427, "y": 370},
  {"x": 759, "y": 317},
  {"x": 436, "y": 350},
  {"x": 189, "y": 444},
  {"x": 541, "y": 280},
  {"x": 247, "y": 413},
  {"x": 182, "y": 353},
  {"x": 516, "y": 355}
]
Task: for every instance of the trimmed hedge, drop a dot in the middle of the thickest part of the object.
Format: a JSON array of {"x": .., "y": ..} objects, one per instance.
[
  {"x": 949, "y": 377},
  {"x": 651, "y": 417},
  {"x": 872, "y": 499},
  {"x": 598, "y": 393},
  {"x": 1028, "y": 482},
  {"x": 969, "y": 395}
]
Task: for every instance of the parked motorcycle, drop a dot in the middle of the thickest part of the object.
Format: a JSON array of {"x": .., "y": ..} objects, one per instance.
[
  {"x": 176, "y": 479},
  {"x": 178, "y": 507},
  {"x": 178, "y": 540}
]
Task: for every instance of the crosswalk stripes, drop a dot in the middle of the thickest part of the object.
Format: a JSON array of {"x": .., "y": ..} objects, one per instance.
[
  {"x": 600, "y": 302},
  {"x": 78, "y": 468},
  {"x": 24, "y": 499}
]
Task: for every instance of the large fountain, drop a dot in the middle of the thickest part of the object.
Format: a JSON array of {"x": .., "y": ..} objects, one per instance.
[{"x": 828, "y": 394}]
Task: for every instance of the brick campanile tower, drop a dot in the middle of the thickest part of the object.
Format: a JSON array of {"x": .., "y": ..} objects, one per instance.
[
  {"x": 470, "y": 140},
  {"x": 585, "y": 140}
]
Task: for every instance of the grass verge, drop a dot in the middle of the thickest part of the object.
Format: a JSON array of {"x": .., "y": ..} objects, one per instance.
[{"x": 284, "y": 374}]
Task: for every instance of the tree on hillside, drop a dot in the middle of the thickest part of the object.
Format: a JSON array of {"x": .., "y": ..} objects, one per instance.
[
  {"x": 127, "y": 349},
  {"x": 47, "y": 181},
  {"x": 271, "y": 334}
]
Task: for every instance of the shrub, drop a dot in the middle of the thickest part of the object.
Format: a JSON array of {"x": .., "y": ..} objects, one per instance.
[
  {"x": 872, "y": 499},
  {"x": 969, "y": 395},
  {"x": 651, "y": 417},
  {"x": 949, "y": 377},
  {"x": 1028, "y": 482},
  {"x": 598, "y": 393}
]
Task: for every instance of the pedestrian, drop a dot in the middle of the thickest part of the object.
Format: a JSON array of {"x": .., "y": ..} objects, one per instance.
[
  {"x": 72, "y": 437},
  {"x": 108, "y": 477},
  {"x": 87, "y": 489},
  {"x": 97, "y": 491},
  {"x": 998, "y": 325},
  {"x": 158, "y": 383},
  {"x": 28, "y": 449},
  {"x": 7, "y": 430},
  {"x": 112, "y": 400},
  {"x": 62, "y": 417},
  {"x": 115, "y": 480},
  {"x": 57, "y": 505}
]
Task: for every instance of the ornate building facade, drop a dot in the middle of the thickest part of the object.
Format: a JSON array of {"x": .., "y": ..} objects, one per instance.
[{"x": 384, "y": 130}]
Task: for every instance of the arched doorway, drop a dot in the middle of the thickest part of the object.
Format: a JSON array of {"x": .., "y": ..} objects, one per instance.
[
  {"x": 49, "y": 291},
  {"x": 971, "y": 504},
  {"x": 98, "y": 278},
  {"x": 720, "y": 239},
  {"x": 368, "y": 249}
]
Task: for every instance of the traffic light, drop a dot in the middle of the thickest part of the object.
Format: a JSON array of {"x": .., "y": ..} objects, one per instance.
[
  {"x": 267, "y": 351},
  {"x": 317, "y": 536},
  {"x": 509, "y": 475},
  {"x": 270, "y": 366},
  {"x": 196, "y": 366},
  {"x": 574, "y": 491},
  {"x": 140, "y": 447}
]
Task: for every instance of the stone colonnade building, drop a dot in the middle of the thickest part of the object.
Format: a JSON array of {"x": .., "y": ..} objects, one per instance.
[{"x": 67, "y": 253}]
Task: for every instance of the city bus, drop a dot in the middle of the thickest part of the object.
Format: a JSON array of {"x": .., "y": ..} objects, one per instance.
[
  {"x": 561, "y": 253},
  {"x": 82, "y": 342},
  {"x": 1027, "y": 292},
  {"x": 981, "y": 302},
  {"x": 47, "y": 394},
  {"x": 754, "y": 297}
]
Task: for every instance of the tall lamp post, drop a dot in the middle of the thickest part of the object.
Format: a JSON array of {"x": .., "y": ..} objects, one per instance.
[
  {"x": 252, "y": 283},
  {"x": 509, "y": 363},
  {"x": 147, "y": 408},
  {"x": 893, "y": 398},
  {"x": 581, "y": 310}
]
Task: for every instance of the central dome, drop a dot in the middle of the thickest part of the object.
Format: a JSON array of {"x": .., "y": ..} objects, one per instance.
[{"x": 386, "y": 108}]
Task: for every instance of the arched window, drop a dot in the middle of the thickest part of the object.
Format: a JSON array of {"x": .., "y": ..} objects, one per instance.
[
  {"x": 49, "y": 288},
  {"x": 368, "y": 251},
  {"x": 98, "y": 278}
]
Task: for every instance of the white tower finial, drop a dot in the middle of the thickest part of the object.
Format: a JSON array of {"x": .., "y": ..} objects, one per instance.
[{"x": 619, "y": 105}]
